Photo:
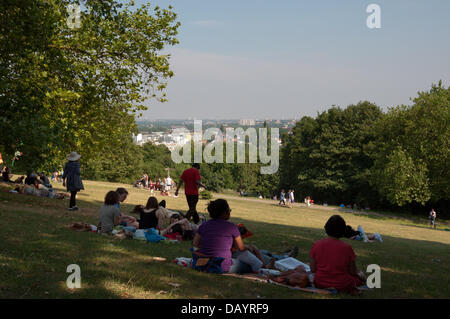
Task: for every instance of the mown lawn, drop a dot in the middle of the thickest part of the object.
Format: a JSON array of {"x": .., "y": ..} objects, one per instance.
[{"x": 36, "y": 248}]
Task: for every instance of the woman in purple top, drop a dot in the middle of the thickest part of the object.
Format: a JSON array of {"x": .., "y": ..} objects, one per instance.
[{"x": 217, "y": 236}]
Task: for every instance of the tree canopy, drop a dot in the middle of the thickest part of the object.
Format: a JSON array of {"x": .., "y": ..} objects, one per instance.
[{"x": 64, "y": 89}]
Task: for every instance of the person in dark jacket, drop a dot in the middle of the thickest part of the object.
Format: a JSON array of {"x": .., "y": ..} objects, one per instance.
[{"x": 72, "y": 178}]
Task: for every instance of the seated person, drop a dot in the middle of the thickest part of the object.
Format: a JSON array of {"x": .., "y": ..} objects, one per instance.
[
  {"x": 109, "y": 213},
  {"x": 29, "y": 180},
  {"x": 19, "y": 180},
  {"x": 6, "y": 174},
  {"x": 152, "y": 215},
  {"x": 333, "y": 261},
  {"x": 217, "y": 236},
  {"x": 125, "y": 220},
  {"x": 44, "y": 180}
]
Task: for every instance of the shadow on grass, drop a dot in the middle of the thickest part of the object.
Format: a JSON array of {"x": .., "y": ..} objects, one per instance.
[{"x": 36, "y": 250}]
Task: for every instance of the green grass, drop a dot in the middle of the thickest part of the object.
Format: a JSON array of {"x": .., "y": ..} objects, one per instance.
[{"x": 36, "y": 248}]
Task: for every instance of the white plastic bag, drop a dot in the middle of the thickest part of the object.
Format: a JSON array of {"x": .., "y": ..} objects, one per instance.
[{"x": 289, "y": 264}]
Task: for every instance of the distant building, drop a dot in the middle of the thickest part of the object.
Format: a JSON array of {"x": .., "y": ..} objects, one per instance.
[{"x": 247, "y": 122}]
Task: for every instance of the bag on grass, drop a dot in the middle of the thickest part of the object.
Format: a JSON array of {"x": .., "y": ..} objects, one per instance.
[
  {"x": 152, "y": 236},
  {"x": 205, "y": 263}
]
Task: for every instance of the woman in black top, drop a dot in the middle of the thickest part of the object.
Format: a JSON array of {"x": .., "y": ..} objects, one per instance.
[{"x": 148, "y": 218}]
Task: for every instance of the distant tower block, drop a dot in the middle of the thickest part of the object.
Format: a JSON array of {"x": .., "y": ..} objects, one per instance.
[{"x": 247, "y": 122}]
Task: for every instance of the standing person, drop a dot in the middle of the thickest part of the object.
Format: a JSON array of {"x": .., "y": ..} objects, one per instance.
[
  {"x": 282, "y": 198},
  {"x": 433, "y": 216},
  {"x": 291, "y": 198},
  {"x": 72, "y": 173},
  {"x": 192, "y": 180},
  {"x": 168, "y": 184}
]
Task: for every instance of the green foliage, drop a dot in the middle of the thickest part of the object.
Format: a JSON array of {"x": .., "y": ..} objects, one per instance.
[
  {"x": 411, "y": 152},
  {"x": 68, "y": 89},
  {"x": 206, "y": 195},
  {"x": 325, "y": 157}
]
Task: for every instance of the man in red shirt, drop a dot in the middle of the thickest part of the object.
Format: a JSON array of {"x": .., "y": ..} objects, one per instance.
[{"x": 192, "y": 180}]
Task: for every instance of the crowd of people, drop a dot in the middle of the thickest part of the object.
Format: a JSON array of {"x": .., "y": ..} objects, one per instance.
[
  {"x": 35, "y": 184},
  {"x": 164, "y": 185},
  {"x": 153, "y": 214},
  {"x": 332, "y": 261}
]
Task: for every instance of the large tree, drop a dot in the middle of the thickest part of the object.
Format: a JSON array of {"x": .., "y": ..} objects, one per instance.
[
  {"x": 412, "y": 151},
  {"x": 326, "y": 158},
  {"x": 65, "y": 88}
]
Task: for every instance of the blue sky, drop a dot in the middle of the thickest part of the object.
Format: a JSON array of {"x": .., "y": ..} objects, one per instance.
[{"x": 287, "y": 59}]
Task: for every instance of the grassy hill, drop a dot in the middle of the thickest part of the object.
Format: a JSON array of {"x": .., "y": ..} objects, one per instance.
[{"x": 36, "y": 248}]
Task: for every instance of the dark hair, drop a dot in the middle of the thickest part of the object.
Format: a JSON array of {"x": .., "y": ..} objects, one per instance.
[
  {"x": 350, "y": 232},
  {"x": 335, "y": 226},
  {"x": 111, "y": 198},
  {"x": 121, "y": 191},
  {"x": 137, "y": 209},
  {"x": 196, "y": 165},
  {"x": 188, "y": 235},
  {"x": 218, "y": 208},
  {"x": 152, "y": 203},
  {"x": 176, "y": 229},
  {"x": 176, "y": 216},
  {"x": 242, "y": 229}
]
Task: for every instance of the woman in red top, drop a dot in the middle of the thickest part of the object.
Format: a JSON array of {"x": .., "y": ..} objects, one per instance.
[{"x": 333, "y": 261}]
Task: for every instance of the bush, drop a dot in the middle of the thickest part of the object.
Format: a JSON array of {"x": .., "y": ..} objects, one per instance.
[{"x": 206, "y": 195}]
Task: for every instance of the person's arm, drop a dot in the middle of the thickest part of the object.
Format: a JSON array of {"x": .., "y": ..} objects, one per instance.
[
  {"x": 197, "y": 241},
  {"x": 64, "y": 175},
  {"x": 200, "y": 184},
  {"x": 239, "y": 244},
  {"x": 178, "y": 186},
  {"x": 160, "y": 215},
  {"x": 312, "y": 265}
]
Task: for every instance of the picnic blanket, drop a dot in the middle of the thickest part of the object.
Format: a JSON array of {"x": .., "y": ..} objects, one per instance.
[
  {"x": 260, "y": 277},
  {"x": 263, "y": 276}
]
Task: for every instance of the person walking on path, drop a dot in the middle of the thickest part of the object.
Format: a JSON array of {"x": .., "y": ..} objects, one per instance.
[
  {"x": 72, "y": 178},
  {"x": 192, "y": 180}
]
